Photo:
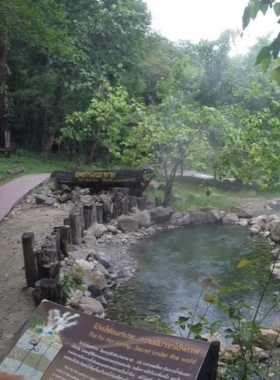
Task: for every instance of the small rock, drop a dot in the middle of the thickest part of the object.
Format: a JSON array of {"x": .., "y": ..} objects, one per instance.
[
  {"x": 241, "y": 213},
  {"x": 96, "y": 278},
  {"x": 65, "y": 198},
  {"x": 50, "y": 201},
  {"x": 128, "y": 223},
  {"x": 178, "y": 198},
  {"x": 255, "y": 229},
  {"x": 112, "y": 229},
  {"x": 272, "y": 218},
  {"x": 97, "y": 230},
  {"x": 135, "y": 210},
  {"x": 100, "y": 267},
  {"x": 91, "y": 305},
  {"x": 243, "y": 222},
  {"x": 276, "y": 253},
  {"x": 185, "y": 221},
  {"x": 269, "y": 339},
  {"x": 41, "y": 199},
  {"x": 86, "y": 199},
  {"x": 213, "y": 216},
  {"x": 29, "y": 292},
  {"x": 102, "y": 300},
  {"x": 230, "y": 218},
  {"x": 16, "y": 171},
  {"x": 94, "y": 291},
  {"x": 160, "y": 214},
  {"x": 66, "y": 188},
  {"x": 198, "y": 217},
  {"x": 144, "y": 219},
  {"x": 87, "y": 293},
  {"x": 177, "y": 216},
  {"x": 222, "y": 213}
]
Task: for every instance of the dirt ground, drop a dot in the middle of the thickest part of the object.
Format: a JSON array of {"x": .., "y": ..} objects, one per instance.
[{"x": 15, "y": 305}]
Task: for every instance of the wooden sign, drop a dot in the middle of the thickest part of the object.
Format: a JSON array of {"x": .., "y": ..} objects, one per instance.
[
  {"x": 61, "y": 344},
  {"x": 103, "y": 179}
]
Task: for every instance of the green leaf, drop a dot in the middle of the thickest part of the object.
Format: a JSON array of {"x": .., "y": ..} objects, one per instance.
[
  {"x": 263, "y": 54},
  {"x": 277, "y": 9},
  {"x": 246, "y": 17},
  {"x": 183, "y": 319},
  {"x": 243, "y": 263},
  {"x": 167, "y": 330},
  {"x": 183, "y": 308},
  {"x": 209, "y": 299},
  {"x": 264, "y": 8},
  {"x": 265, "y": 64},
  {"x": 254, "y": 7},
  {"x": 246, "y": 338},
  {"x": 276, "y": 75},
  {"x": 214, "y": 327}
]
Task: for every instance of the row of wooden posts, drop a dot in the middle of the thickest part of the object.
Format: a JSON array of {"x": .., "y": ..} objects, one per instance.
[{"x": 42, "y": 266}]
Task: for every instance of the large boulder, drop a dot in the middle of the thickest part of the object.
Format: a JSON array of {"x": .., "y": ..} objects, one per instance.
[
  {"x": 269, "y": 339},
  {"x": 260, "y": 221},
  {"x": 96, "y": 278},
  {"x": 230, "y": 218},
  {"x": 198, "y": 217},
  {"x": 128, "y": 223},
  {"x": 241, "y": 213},
  {"x": 144, "y": 219},
  {"x": 255, "y": 229},
  {"x": 160, "y": 214},
  {"x": 271, "y": 218},
  {"x": 96, "y": 230},
  {"x": 41, "y": 199},
  {"x": 213, "y": 216},
  {"x": 91, "y": 306}
]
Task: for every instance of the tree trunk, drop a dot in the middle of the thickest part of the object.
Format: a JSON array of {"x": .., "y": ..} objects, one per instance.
[
  {"x": 90, "y": 151},
  {"x": 3, "y": 121},
  {"x": 168, "y": 192},
  {"x": 48, "y": 146}
]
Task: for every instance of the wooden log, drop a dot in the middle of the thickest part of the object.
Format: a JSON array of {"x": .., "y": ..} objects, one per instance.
[
  {"x": 50, "y": 290},
  {"x": 46, "y": 267},
  {"x": 145, "y": 202},
  {"x": 99, "y": 211},
  {"x": 76, "y": 224},
  {"x": 125, "y": 205},
  {"x": 57, "y": 243},
  {"x": 49, "y": 249},
  {"x": 64, "y": 239},
  {"x": 158, "y": 201},
  {"x": 107, "y": 212},
  {"x": 66, "y": 222},
  {"x": 94, "y": 213},
  {"x": 40, "y": 272},
  {"x": 117, "y": 205},
  {"x": 140, "y": 203},
  {"x": 87, "y": 214},
  {"x": 132, "y": 202},
  {"x": 30, "y": 259}
]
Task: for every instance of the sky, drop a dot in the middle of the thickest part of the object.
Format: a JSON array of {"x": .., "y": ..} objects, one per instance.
[{"x": 207, "y": 19}]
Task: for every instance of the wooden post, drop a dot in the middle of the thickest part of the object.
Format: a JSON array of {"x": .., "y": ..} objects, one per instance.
[
  {"x": 49, "y": 248},
  {"x": 94, "y": 213},
  {"x": 117, "y": 205},
  {"x": 125, "y": 205},
  {"x": 140, "y": 202},
  {"x": 145, "y": 197},
  {"x": 76, "y": 225},
  {"x": 57, "y": 243},
  {"x": 46, "y": 267},
  {"x": 64, "y": 239},
  {"x": 99, "y": 210},
  {"x": 87, "y": 214},
  {"x": 107, "y": 213},
  {"x": 50, "y": 290},
  {"x": 30, "y": 262},
  {"x": 40, "y": 272},
  {"x": 132, "y": 202},
  {"x": 158, "y": 202},
  {"x": 66, "y": 222}
]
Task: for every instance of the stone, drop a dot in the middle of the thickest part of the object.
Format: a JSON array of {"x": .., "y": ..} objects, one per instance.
[
  {"x": 276, "y": 253},
  {"x": 94, "y": 291},
  {"x": 102, "y": 300},
  {"x": 206, "y": 208},
  {"x": 104, "y": 259},
  {"x": 144, "y": 219},
  {"x": 275, "y": 230},
  {"x": 177, "y": 216},
  {"x": 161, "y": 186},
  {"x": 135, "y": 210},
  {"x": 87, "y": 293},
  {"x": 271, "y": 218},
  {"x": 185, "y": 221},
  {"x": 84, "y": 253},
  {"x": 86, "y": 199},
  {"x": 96, "y": 230},
  {"x": 243, "y": 222},
  {"x": 128, "y": 223},
  {"x": 65, "y": 198},
  {"x": 50, "y": 201},
  {"x": 78, "y": 293},
  {"x": 160, "y": 214},
  {"x": 16, "y": 171},
  {"x": 222, "y": 213},
  {"x": 121, "y": 274},
  {"x": 241, "y": 213},
  {"x": 260, "y": 221},
  {"x": 53, "y": 185},
  {"x": 99, "y": 267},
  {"x": 75, "y": 196},
  {"x": 255, "y": 229},
  {"x": 268, "y": 340},
  {"x": 198, "y": 217},
  {"x": 112, "y": 229},
  {"x": 41, "y": 199},
  {"x": 178, "y": 198},
  {"x": 29, "y": 292},
  {"x": 91, "y": 305},
  {"x": 213, "y": 216},
  {"x": 66, "y": 188},
  {"x": 96, "y": 278},
  {"x": 230, "y": 218}
]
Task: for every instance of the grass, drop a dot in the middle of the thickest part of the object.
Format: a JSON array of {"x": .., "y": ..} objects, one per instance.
[
  {"x": 32, "y": 164},
  {"x": 194, "y": 193}
]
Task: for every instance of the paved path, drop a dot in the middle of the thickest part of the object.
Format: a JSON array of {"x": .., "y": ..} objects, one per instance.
[{"x": 14, "y": 191}]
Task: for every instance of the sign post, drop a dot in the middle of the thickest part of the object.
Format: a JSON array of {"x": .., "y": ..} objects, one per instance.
[{"x": 61, "y": 344}]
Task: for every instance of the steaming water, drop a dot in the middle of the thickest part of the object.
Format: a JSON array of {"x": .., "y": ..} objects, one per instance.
[{"x": 170, "y": 265}]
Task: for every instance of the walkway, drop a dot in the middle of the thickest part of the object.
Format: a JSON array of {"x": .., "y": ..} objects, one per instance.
[{"x": 14, "y": 191}]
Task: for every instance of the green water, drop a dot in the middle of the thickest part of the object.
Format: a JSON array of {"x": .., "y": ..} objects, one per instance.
[{"x": 171, "y": 263}]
